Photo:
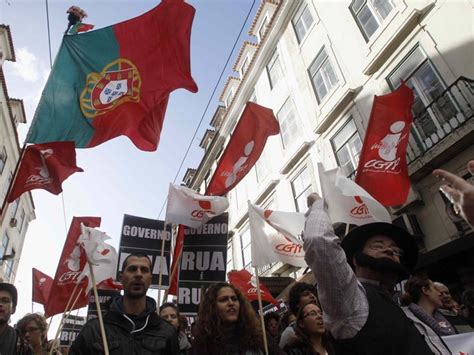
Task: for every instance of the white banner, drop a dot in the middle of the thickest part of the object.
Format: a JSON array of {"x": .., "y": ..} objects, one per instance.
[
  {"x": 348, "y": 202},
  {"x": 460, "y": 344},
  {"x": 276, "y": 236},
  {"x": 191, "y": 209}
]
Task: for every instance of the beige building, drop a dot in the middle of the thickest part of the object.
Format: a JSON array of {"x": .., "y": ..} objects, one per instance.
[
  {"x": 15, "y": 217},
  {"x": 318, "y": 65}
]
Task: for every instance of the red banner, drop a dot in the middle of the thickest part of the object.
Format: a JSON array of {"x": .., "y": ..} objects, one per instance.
[
  {"x": 255, "y": 125},
  {"x": 178, "y": 248},
  {"x": 41, "y": 287},
  {"x": 247, "y": 283},
  {"x": 382, "y": 169},
  {"x": 45, "y": 166},
  {"x": 70, "y": 266}
]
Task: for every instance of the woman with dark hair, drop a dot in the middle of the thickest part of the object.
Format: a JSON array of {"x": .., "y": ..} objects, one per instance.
[
  {"x": 170, "y": 313},
  {"x": 311, "y": 336},
  {"x": 34, "y": 331},
  {"x": 227, "y": 324}
]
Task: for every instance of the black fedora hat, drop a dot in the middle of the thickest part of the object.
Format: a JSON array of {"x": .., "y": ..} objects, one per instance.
[
  {"x": 4, "y": 286},
  {"x": 355, "y": 240}
]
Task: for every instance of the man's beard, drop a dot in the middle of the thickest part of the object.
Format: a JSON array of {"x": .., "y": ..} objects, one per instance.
[{"x": 382, "y": 265}]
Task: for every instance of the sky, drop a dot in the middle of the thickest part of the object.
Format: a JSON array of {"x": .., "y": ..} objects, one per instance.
[{"x": 118, "y": 178}]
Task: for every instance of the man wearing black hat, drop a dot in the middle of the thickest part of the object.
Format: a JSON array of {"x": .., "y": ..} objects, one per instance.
[
  {"x": 355, "y": 285},
  {"x": 8, "y": 301}
]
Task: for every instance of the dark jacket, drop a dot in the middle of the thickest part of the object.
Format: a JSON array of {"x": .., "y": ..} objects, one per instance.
[{"x": 144, "y": 334}]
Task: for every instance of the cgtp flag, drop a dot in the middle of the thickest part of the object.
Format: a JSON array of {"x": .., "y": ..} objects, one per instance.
[
  {"x": 70, "y": 266},
  {"x": 255, "y": 125},
  {"x": 41, "y": 287},
  {"x": 100, "y": 254},
  {"x": 348, "y": 202},
  {"x": 382, "y": 169},
  {"x": 247, "y": 283},
  {"x": 191, "y": 209},
  {"x": 117, "y": 80},
  {"x": 44, "y": 166},
  {"x": 270, "y": 243}
]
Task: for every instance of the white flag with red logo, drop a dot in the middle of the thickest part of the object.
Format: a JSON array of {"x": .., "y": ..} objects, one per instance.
[
  {"x": 348, "y": 202},
  {"x": 101, "y": 255},
  {"x": 247, "y": 283},
  {"x": 276, "y": 236},
  {"x": 191, "y": 209}
]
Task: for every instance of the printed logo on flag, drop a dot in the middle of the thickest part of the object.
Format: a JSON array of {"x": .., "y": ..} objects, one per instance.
[
  {"x": 361, "y": 210},
  {"x": 119, "y": 82},
  {"x": 43, "y": 176},
  {"x": 283, "y": 248},
  {"x": 387, "y": 151},
  {"x": 239, "y": 166},
  {"x": 206, "y": 208}
]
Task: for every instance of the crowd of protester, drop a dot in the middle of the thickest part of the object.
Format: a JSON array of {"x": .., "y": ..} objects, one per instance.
[{"x": 352, "y": 309}]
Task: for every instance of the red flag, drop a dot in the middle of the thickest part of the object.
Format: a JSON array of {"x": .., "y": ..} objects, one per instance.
[
  {"x": 84, "y": 27},
  {"x": 255, "y": 125},
  {"x": 247, "y": 283},
  {"x": 41, "y": 287},
  {"x": 70, "y": 265},
  {"x": 173, "y": 289},
  {"x": 383, "y": 170},
  {"x": 45, "y": 166}
]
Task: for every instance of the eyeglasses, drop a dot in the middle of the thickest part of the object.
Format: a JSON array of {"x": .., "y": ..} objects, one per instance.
[
  {"x": 29, "y": 330},
  {"x": 381, "y": 246},
  {"x": 312, "y": 314}
]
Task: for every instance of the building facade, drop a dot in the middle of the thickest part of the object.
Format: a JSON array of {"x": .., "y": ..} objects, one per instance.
[
  {"x": 15, "y": 217},
  {"x": 318, "y": 65}
]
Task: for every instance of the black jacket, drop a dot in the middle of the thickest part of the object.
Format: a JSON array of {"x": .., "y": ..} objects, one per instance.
[{"x": 144, "y": 334}]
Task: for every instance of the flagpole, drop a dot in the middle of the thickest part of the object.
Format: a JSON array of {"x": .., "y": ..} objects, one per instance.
[
  {"x": 348, "y": 225},
  {"x": 260, "y": 308},
  {"x": 15, "y": 171},
  {"x": 160, "y": 276},
  {"x": 173, "y": 272},
  {"x": 99, "y": 312}
]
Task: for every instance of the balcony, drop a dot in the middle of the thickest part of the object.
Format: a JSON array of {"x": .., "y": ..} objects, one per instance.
[{"x": 441, "y": 129}]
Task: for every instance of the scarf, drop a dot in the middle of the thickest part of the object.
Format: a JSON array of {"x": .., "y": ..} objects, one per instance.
[{"x": 437, "y": 322}]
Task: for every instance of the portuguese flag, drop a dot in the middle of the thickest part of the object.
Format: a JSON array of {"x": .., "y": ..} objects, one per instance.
[{"x": 117, "y": 80}]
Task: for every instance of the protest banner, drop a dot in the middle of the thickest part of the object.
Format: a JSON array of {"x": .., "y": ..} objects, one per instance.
[
  {"x": 71, "y": 328},
  {"x": 105, "y": 297},
  {"x": 144, "y": 235}
]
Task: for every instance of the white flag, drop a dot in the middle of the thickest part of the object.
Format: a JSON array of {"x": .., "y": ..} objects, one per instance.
[
  {"x": 191, "y": 209},
  {"x": 101, "y": 255},
  {"x": 348, "y": 202},
  {"x": 276, "y": 236}
]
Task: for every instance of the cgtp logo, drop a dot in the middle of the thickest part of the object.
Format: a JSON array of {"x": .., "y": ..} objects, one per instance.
[
  {"x": 253, "y": 282},
  {"x": 43, "y": 176},
  {"x": 206, "y": 208},
  {"x": 387, "y": 150},
  {"x": 361, "y": 210},
  {"x": 239, "y": 165}
]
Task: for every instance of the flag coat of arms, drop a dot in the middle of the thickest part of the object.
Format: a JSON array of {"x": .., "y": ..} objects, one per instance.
[
  {"x": 191, "y": 209},
  {"x": 255, "y": 125},
  {"x": 247, "y": 283},
  {"x": 41, "y": 287},
  {"x": 276, "y": 236},
  {"x": 348, "y": 202},
  {"x": 117, "y": 80},
  {"x": 70, "y": 266},
  {"x": 44, "y": 166},
  {"x": 382, "y": 169}
]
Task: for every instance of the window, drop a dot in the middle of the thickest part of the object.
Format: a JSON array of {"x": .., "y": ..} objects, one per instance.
[
  {"x": 5, "y": 188},
  {"x": 245, "y": 66},
  {"x": 347, "y": 146},
  {"x": 322, "y": 75},
  {"x": 302, "y": 21},
  {"x": 289, "y": 127},
  {"x": 429, "y": 125},
  {"x": 301, "y": 186},
  {"x": 369, "y": 14},
  {"x": 21, "y": 220},
  {"x": 4, "y": 246},
  {"x": 14, "y": 207},
  {"x": 263, "y": 29},
  {"x": 9, "y": 268},
  {"x": 253, "y": 97},
  {"x": 229, "y": 98},
  {"x": 274, "y": 70},
  {"x": 230, "y": 264},
  {"x": 3, "y": 159},
  {"x": 245, "y": 241},
  {"x": 261, "y": 168}
]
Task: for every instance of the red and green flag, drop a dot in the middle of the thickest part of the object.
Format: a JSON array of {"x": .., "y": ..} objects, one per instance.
[{"x": 117, "y": 80}]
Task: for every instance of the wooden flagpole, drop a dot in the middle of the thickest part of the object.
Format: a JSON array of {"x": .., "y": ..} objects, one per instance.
[
  {"x": 347, "y": 228},
  {"x": 260, "y": 308},
  {"x": 160, "y": 276},
  {"x": 99, "y": 312}
]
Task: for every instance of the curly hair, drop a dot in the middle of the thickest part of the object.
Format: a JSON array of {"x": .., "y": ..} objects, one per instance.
[
  {"x": 209, "y": 328},
  {"x": 295, "y": 293},
  {"x": 40, "y": 322}
]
